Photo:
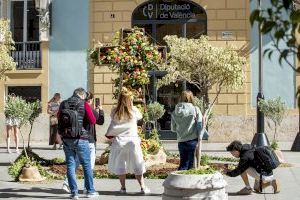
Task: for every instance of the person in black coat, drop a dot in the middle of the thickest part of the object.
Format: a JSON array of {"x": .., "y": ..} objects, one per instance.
[
  {"x": 248, "y": 166},
  {"x": 92, "y": 137}
]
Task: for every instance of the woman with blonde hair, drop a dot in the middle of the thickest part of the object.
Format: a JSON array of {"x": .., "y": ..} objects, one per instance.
[
  {"x": 126, "y": 154},
  {"x": 184, "y": 122},
  {"x": 53, "y": 107}
]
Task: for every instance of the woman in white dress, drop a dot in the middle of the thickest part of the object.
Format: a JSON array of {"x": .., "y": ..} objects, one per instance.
[
  {"x": 12, "y": 125},
  {"x": 126, "y": 154}
]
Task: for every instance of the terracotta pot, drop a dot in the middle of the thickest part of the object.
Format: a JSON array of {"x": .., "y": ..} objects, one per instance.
[
  {"x": 196, "y": 187},
  {"x": 30, "y": 174}
]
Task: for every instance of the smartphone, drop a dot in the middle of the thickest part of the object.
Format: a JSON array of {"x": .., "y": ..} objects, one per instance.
[{"x": 97, "y": 103}]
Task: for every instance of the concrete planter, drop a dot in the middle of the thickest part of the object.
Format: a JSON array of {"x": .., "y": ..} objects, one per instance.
[{"x": 195, "y": 187}]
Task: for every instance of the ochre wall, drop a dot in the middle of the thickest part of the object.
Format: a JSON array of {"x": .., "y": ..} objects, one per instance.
[{"x": 223, "y": 15}]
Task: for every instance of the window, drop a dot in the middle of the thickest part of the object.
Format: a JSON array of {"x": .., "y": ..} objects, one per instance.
[
  {"x": 160, "y": 18},
  {"x": 30, "y": 93},
  {"x": 17, "y": 16}
]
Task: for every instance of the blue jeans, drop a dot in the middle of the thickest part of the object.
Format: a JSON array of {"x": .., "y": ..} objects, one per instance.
[
  {"x": 187, "y": 151},
  {"x": 78, "y": 148}
]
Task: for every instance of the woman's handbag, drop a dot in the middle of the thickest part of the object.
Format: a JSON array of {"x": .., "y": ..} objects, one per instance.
[{"x": 53, "y": 120}]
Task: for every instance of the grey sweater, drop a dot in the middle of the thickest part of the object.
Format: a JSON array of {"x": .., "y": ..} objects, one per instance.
[{"x": 183, "y": 121}]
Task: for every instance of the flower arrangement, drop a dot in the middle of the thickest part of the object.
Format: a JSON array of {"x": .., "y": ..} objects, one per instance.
[{"x": 133, "y": 58}]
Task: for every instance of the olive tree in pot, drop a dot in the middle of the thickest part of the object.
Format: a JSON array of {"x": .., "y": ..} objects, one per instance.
[
  {"x": 153, "y": 112},
  {"x": 18, "y": 108},
  {"x": 204, "y": 66},
  {"x": 275, "y": 110}
]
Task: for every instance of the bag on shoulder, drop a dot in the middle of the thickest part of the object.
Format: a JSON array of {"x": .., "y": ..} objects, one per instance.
[
  {"x": 68, "y": 121},
  {"x": 266, "y": 158}
]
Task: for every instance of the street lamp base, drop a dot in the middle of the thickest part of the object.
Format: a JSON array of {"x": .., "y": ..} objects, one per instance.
[{"x": 260, "y": 139}]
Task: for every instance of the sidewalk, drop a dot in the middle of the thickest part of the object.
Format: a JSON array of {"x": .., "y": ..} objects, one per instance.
[{"x": 289, "y": 177}]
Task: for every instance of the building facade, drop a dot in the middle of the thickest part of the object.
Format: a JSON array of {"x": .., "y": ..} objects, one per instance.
[{"x": 77, "y": 24}]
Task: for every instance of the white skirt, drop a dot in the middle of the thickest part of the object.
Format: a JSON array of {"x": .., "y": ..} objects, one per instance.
[
  {"x": 12, "y": 121},
  {"x": 126, "y": 156}
]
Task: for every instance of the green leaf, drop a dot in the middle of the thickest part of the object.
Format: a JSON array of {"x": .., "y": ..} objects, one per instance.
[
  {"x": 279, "y": 34},
  {"x": 283, "y": 55},
  {"x": 254, "y": 16},
  {"x": 267, "y": 26}
]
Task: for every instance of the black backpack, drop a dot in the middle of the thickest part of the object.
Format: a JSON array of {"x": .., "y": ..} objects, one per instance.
[
  {"x": 266, "y": 158},
  {"x": 68, "y": 122}
]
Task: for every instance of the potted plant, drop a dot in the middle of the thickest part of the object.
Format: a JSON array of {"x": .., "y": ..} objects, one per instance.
[
  {"x": 154, "y": 112},
  {"x": 18, "y": 108},
  {"x": 202, "y": 65},
  {"x": 36, "y": 110},
  {"x": 6, "y": 46},
  {"x": 275, "y": 110}
]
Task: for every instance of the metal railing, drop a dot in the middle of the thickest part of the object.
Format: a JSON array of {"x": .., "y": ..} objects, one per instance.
[{"x": 27, "y": 55}]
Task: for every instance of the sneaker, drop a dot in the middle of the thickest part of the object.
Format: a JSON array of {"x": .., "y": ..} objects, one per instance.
[
  {"x": 74, "y": 196},
  {"x": 92, "y": 195},
  {"x": 8, "y": 151},
  {"x": 123, "y": 190},
  {"x": 84, "y": 191},
  {"x": 244, "y": 191},
  {"x": 17, "y": 151},
  {"x": 145, "y": 190},
  {"x": 276, "y": 186},
  {"x": 66, "y": 187}
]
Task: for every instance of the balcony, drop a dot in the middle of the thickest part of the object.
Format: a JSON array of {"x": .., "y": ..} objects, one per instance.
[{"x": 27, "y": 55}]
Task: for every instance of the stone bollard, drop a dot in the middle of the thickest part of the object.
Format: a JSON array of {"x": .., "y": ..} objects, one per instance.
[{"x": 195, "y": 187}]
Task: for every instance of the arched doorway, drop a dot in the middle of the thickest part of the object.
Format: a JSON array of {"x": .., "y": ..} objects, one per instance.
[{"x": 169, "y": 17}]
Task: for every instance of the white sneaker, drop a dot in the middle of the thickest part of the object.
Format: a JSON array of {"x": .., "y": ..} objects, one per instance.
[
  {"x": 84, "y": 191},
  {"x": 145, "y": 190},
  {"x": 92, "y": 195},
  {"x": 66, "y": 187},
  {"x": 123, "y": 191}
]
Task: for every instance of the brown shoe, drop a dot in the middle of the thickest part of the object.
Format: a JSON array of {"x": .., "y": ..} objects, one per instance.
[
  {"x": 244, "y": 191},
  {"x": 276, "y": 186}
]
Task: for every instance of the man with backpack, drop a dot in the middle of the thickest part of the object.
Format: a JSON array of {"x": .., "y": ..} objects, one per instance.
[
  {"x": 256, "y": 162},
  {"x": 72, "y": 113}
]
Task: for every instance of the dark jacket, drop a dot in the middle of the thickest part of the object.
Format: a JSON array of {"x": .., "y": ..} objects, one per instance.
[
  {"x": 91, "y": 128},
  {"x": 246, "y": 160},
  {"x": 78, "y": 103}
]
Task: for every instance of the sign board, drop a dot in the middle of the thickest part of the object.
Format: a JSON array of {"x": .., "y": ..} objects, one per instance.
[
  {"x": 169, "y": 10},
  {"x": 227, "y": 35}
]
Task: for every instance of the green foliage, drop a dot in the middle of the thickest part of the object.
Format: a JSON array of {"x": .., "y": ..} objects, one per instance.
[
  {"x": 201, "y": 171},
  {"x": 204, "y": 160},
  {"x": 6, "y": 46},
  {"x": 274, "y": 109},
  {"x": 271, "y": 21},
  {"x": 18, "y": 108},
  {"x": 274, "y": 145},
  {"x": 36, "y": 109},
  {"x": 15, "y": 169},
  {"x": 155, "y": 136},
  {"x": 155, "y": 111}
]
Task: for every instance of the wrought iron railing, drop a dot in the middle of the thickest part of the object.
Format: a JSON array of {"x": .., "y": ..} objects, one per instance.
[{"x": 27, "y": 55}]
